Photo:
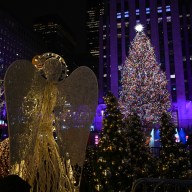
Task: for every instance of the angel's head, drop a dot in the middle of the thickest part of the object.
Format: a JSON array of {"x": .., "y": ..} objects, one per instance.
[
  {"x": 52, "y": 69},
  {"x": 51, "y": 65}
]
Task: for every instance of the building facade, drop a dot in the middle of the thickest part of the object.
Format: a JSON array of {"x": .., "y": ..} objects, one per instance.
[
  {"x": 57, "y": 37},
  {"x": 16, "y": 42},
  {"x": 168, "y": 24},
  {"x": 94, "y": 10}
]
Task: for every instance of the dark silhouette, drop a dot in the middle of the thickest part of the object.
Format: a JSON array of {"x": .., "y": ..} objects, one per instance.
[{"x": 14, "y": 183}]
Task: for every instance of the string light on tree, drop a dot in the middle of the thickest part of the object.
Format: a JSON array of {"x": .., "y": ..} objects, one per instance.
[
  {"x": 144, "y": 84},
  {"x": 142, "y": 161},
  {"x": 173, "y": 160},
  {"x": 111, "y": 169}
]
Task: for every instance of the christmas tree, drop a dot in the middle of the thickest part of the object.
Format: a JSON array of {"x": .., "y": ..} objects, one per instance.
[
  {"x": 144, "y": 85},
  {"x": 87, "y": 180},
  {"x": 142, "y": 161},
  {"x": 112, "y": 171},
  {"x": 174, "y": 158}
]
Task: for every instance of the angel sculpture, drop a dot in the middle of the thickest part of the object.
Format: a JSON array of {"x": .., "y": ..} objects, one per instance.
[{"x": 41, "y": 102}]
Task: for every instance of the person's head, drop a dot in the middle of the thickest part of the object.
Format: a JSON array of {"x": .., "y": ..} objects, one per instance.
[{"x": 14, "y": 183}]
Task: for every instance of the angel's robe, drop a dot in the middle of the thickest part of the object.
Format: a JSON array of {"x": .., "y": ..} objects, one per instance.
[{"x": 49, "y": 173}]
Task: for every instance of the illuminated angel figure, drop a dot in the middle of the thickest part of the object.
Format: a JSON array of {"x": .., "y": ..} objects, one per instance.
[{"x": 39, "y": 103}]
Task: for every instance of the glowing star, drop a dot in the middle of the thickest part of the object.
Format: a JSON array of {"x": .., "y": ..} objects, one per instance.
[{"x": 139, "y": 28}]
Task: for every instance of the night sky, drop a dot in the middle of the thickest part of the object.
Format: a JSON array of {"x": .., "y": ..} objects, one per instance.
[{"x": 73, "y": 14}]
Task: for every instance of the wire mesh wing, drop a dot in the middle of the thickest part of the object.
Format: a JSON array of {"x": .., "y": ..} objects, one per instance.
[
  {"x": 75, "y": 111},
  {"x": 21, "y": 82}
]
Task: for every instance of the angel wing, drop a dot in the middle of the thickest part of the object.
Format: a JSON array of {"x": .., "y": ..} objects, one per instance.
[
  {"x": 21, "y": 79},
  {"x": 74, "y": 112}
]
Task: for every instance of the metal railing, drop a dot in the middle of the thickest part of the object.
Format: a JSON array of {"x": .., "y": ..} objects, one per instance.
[{"x": 161, "y": 185}]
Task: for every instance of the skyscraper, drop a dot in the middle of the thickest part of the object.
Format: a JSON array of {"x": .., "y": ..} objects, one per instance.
[
  {"x": 94, "y": 10},
  {"x": 57, "y": 37},
  {"x": 16, "y": 42},
  {"x": 168, "y": 24}
]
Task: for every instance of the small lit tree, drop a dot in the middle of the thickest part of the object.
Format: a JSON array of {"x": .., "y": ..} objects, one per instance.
[
  {"x": 142, "y": 161},
  {"x": 174, "y": 158},
  {"x": 112, "y": 172},
  {"x": 88, "y": 176}
]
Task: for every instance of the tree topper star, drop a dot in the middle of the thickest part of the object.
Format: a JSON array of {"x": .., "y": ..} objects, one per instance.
[{"x": 139, "y": 28}]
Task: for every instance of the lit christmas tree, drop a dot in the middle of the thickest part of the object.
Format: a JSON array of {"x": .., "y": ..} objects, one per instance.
[
  {"x": 142, "y": 161},
  {"x": 88, "y": 176},
  {"x": 144, "y": 84},
  {"x": 112, "y": 171},
  {"x": 174, "y": 158}
]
